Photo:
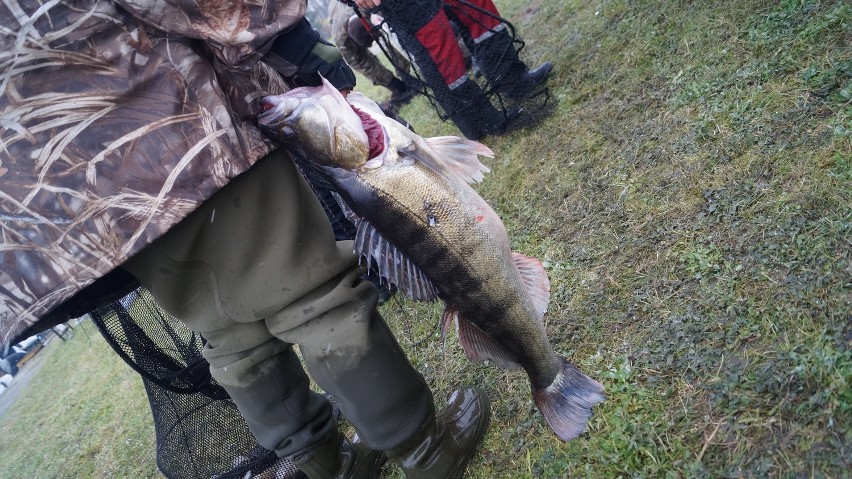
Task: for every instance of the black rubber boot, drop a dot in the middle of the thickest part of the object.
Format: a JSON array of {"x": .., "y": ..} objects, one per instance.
[
  {"x": 337, "y": 458},
  {"x": 505, "y": 71},
  {"x": 472, "y": 112},
  {"x": 445, "y": 444},
  {"x": 400, "y": 93}
]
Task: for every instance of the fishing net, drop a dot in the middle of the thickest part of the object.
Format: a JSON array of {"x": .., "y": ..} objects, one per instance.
[
  {"x": 493, "y": 54},
  {"x": 199, "y": 431}
]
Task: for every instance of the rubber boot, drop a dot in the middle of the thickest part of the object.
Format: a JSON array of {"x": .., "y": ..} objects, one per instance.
[
  {"x": 337, "y": 458},
  {"x": 508, "y": 75},
  {"x": 400, "y": 93},
  {"x": 444, "y": 444},
  {"x": 472, "y": 112}
]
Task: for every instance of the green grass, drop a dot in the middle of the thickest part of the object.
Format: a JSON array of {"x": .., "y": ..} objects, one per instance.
[
  {"x": 690, "y": 197},
  {"x": 84, "y": 415}
]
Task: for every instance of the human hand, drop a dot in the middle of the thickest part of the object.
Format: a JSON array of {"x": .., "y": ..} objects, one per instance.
[{"x": 368, "y": 3}]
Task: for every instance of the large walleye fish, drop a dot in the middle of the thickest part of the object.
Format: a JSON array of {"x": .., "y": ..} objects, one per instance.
[{"x": 434, "y": 237}]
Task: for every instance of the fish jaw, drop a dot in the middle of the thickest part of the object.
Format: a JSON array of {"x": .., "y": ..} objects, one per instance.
[{"x": 321, "y": 122}]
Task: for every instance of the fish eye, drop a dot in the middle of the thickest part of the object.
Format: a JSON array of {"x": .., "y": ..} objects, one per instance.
[{"x": 288, "y": 132}]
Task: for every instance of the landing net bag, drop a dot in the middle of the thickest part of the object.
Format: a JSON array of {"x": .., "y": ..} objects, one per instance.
[
  {"x": 200, "y": 433},
  {"x": 491, "y": 56}
]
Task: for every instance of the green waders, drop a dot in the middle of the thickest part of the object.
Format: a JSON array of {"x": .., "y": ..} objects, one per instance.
[{"x": 254, "y": 270}]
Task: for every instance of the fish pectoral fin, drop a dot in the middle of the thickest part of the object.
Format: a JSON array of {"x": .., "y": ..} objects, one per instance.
[
  {"x": 344, "y": 207},
  {"x": 566, "y": 403},
  {"x": 535, "y": 278},
  {"x": 451, "y": 155},
  {"x": 478, "y": 346},
  {"x": 391, "y": 264}
]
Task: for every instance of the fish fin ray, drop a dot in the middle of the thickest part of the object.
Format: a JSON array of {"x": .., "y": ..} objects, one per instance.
[
  {"x": 391, "y": 264},
  {"x": 445, "y": 154},
  {"x": 479, "y": 346},
  {"x": 567, "y": 403},
  {"x": 535, "y": 278}
]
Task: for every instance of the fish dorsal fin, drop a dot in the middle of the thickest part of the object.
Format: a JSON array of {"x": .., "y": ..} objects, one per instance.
[
  {"x": 479, "y": 346},
  {"x": 535, "y": 278},
  {"x": 391, "y": 264},
  {"x": 458, "y": 155}
]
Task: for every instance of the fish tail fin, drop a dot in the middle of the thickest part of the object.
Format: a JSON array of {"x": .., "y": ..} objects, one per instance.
[{"x": 567, "y": 403}]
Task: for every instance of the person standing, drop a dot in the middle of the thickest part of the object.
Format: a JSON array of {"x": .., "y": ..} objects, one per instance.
[
  {"x": 354, "y": 40},
  {"x": 130, "y": 153},
  {"x": 423, "y": 28}
]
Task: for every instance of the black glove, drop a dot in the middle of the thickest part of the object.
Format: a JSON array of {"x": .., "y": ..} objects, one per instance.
[{"x": 302, "y": 46}]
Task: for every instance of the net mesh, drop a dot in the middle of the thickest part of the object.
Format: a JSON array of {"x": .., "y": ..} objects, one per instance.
[{"x": 199, "y": 431}]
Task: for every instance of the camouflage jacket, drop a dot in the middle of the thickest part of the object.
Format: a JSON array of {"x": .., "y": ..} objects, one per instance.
[{"x": 118, "y": 118}]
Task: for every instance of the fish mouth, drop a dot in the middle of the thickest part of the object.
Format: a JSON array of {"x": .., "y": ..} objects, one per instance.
[
  {"x": 277, "y": 114},
  {"x": 376, "y": 136}
]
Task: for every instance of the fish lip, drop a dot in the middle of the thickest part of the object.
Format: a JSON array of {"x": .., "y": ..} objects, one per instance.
[
  {"x": 270, "y": 111},
  {"x": 267, "y": 103},
  {"x": 274, "y": 118}
]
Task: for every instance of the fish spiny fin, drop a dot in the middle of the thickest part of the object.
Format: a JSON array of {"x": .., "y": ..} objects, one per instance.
[
  {"x": 566, "y": 403},
  {"x": 451, "y": 153},
  {"x": 535, "y": 278},
  {"x": 392, "y": 264},
  {"x": 479, "y": 346}
]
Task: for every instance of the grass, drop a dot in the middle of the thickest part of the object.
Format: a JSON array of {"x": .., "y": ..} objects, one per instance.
[
  {"x": 690, "y": 197},
  {"x": 84, "y": 415}
]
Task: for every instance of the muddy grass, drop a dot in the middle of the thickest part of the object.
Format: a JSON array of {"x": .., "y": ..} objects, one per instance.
[{"x": 690, "y": 197}]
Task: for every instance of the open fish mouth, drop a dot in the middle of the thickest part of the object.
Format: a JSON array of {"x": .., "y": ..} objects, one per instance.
[
  {"x": 278, "y": 114},
  {"x": 319, "y": 121}
]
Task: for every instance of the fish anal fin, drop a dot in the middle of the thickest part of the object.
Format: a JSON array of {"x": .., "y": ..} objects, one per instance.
[
  {"x": 454, "y": 154},
  {"x": 567, "y": 403},
  {"x": 391, "y": 264},
  {"x": 478, "y": 346},
  {"x": 535, "y": 278}
]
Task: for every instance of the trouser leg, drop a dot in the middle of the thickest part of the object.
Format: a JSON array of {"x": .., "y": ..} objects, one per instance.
[
  {"x": 272, "y": 392},
  {"x": 353, "y": 355},
  {"x": 493, "y": 47},
  {"x": 361, "y": 59},
  {"x": 423, "y": 29},
  {"x": 259, "y": 260}
]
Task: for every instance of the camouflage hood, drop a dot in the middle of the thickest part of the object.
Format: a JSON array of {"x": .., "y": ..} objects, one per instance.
[{"x": 118, "y": 119}]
